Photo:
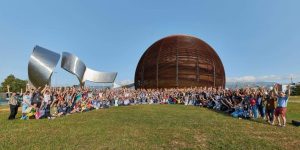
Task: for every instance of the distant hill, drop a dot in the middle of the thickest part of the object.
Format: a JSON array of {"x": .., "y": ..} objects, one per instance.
[{"x": 231, "y": 85}]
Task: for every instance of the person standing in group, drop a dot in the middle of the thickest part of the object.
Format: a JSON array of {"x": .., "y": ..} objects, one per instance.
[
  {"x": 13, "y": 105},
  {"x": 26, "y": 103},
  {"x": 260, "y": 102},
  {"x": 282, "y": 101},
  {"x": 36, "y": 97},
  {"x": 270, "y": 107},
  {"x": 253, "y": 106},
  {"x": 46, "y": 101}
]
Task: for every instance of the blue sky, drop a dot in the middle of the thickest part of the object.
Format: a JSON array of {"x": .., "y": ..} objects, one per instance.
[{"x": 256, "y": 40}]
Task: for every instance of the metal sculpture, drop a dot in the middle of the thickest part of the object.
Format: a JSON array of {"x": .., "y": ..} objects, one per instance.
[
  {"x": 43, "y": 61},
  {"x": 41, "y": 65},
  {"x": 179, "y": 61},
  {"x": 74, "y": 65}
]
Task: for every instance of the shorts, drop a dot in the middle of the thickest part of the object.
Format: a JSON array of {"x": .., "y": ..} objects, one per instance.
[{"x": 280, "y": 111}]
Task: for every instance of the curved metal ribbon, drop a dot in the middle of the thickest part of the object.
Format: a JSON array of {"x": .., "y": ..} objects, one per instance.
[
  {"x": 41, "y": 65},
  {"x": 74, "y": 65}
]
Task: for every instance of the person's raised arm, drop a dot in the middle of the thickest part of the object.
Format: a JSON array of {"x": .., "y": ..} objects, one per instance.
[
  {"x": 27, "y": 88},
  {"x": 44, "y": 89},
  {"x": 8, "y": 90},
  {"x": 289, "y": 90},
  {"x": 275, "y": 88}
]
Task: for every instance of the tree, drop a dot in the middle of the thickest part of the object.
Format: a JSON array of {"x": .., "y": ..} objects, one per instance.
[
  {"x": 14, "y": 83},
  {"x": 296, "y": 90}
]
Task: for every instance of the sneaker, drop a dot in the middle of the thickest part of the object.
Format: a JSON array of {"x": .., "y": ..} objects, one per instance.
[{"x": 23, "y": 118}]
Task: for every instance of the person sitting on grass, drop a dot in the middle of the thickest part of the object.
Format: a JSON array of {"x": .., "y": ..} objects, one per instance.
[
  {"x": 96, "y": 102},
  {"x": 126, "y": 102},
  {"x": 282, "y": 101},
  {"x": 53, "y": 108},
  {"x": 77, "y": 107},
  {"x": 89, "y": 104},
  {"x": 84, "y": 105},
  {"x": 31, "y": 111},
  {"x": 62, "y": 108}
]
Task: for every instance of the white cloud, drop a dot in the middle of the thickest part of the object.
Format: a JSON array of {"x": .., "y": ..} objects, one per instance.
[
  {"x": 241, "y": 79},
  {"x": 267, "y": 78}
]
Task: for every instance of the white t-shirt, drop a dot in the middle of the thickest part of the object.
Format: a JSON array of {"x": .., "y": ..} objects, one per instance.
[
  {"x": 116, "y": 102},
  {"x": 90, "y": 95},
  {"x": 47, "y": 98},
  {"x": 126, "y": 102},
  {"x": 26, "y": 99}
]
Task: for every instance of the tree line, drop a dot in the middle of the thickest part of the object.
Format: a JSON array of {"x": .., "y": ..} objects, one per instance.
[
  {"x": 13, "y": 83},
  {"x": 296, "y": 90}
]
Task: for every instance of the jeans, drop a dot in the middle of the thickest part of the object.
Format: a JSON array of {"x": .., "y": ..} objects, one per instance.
[
  {"x": 261, "y": 110},
  {"x": 270, "y": 113},
  {"x": 254, "y": 111},
  {"x": 13, "y": 111},
  {"x": 47, "y": 111}
]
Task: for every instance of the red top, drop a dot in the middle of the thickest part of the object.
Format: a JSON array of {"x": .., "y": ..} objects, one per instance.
[{"x": 252, "y": 101}]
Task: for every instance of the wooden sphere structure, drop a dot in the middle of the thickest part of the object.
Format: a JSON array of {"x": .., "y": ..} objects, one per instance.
[{"x": 179, "y": 61}]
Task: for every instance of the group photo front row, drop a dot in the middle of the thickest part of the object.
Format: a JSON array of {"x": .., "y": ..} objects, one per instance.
[{"x": 247, "y": 103}]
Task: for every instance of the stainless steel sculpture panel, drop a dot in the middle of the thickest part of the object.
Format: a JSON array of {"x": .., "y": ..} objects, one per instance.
[
  {"x": 41, "y": 65},
  {"x": 43, "y": 61},
  {"x": 74, "y": 65},
  {"x": 99, "y": 77}
]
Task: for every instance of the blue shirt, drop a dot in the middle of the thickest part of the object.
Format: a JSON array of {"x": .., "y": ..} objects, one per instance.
[{"x": 282, "y": 101}]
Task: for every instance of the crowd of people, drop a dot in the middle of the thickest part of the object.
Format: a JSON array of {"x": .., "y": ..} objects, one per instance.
[{"x": 248, "y": 103}]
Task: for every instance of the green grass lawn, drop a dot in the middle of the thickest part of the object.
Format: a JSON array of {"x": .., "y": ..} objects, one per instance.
[
  {"x": 295, "y": 99},
  {"x": 148, "y": 127}
]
